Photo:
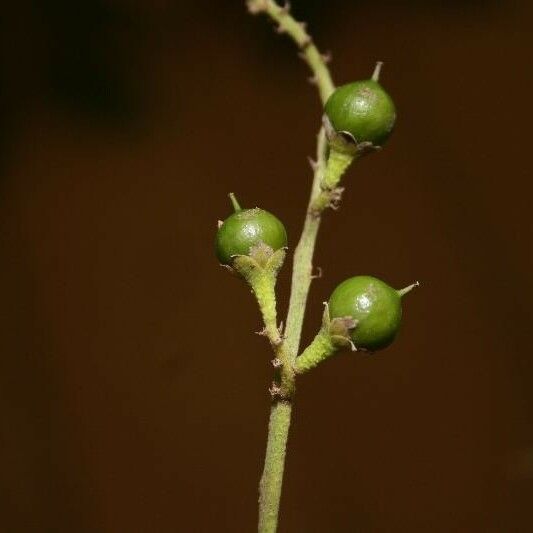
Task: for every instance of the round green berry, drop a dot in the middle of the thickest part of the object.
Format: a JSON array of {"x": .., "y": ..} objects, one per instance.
[
  {"x": 375, "y": 305},
  {"x": 364, "y": 110},
  {"x": 247, "y": 228}
]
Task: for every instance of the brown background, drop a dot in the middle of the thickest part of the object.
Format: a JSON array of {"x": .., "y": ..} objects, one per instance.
[{"x": 133, "y": 392}]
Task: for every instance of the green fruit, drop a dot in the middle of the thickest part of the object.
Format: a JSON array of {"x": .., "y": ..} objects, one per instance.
[
  {"x": 245, "y": 229},
  {"x": 364, "y": 110},
  {"x": 374, "y": 304}
]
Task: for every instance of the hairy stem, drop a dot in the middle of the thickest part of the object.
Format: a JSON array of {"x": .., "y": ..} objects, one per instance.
[
  {"x": 280, "y": 414},
  {"x": 319, "y": 350},
  {"x": 303, "y": 257},
  {"x": 330, "y": 193},
  {"x": 272, "y": 479},
  {"x": 264, "y": 289}
]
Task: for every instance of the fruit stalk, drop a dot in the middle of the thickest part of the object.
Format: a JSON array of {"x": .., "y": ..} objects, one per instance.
[
  {"x": 264, "y": 289},
  {"x": 262, "y": 280},
  {"x": 338, "y": 163},
  {"x": 320, "y": 349},
  {"x": 303, "y": 257}
]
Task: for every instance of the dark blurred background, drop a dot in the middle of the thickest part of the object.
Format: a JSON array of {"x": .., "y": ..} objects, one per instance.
[{"x": 133, "y": 392}]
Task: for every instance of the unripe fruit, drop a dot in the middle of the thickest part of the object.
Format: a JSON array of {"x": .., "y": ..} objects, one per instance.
[
  {"x": 245, "y": 229},
  {"x": 375, "y": 305},
  {"x": 364, "y": 110}
]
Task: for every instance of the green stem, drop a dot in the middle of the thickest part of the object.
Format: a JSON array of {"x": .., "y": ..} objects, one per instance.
[
  {"x": 263, "y": 285},
  {"x": 303, "y": 258},
  {"x": 260, "y": 270},
  {"x": 280, "y": 414},
  {"x": 272, "y": 478},
  {"x": 337, "y": 164},
  {"x": 264, "y": 289},
  {"x": 320, "y": 349},
  {"x": 261, "y": 276}
]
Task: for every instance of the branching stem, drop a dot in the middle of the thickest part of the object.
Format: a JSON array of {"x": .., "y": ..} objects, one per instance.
[
  {"x": 320, "y": 349},
  {"x": 303, "y": 258},
  {"x": 280, "y": 415}
]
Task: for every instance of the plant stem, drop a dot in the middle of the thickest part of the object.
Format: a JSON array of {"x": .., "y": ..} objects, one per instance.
[
  {"x": 260, "y": 270},
  {"x": 272, "y": 478},
  {"x": 320, "y": 349},
  {"x": 280, "y": 414},
  {"x": 303, "y": 258}
]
